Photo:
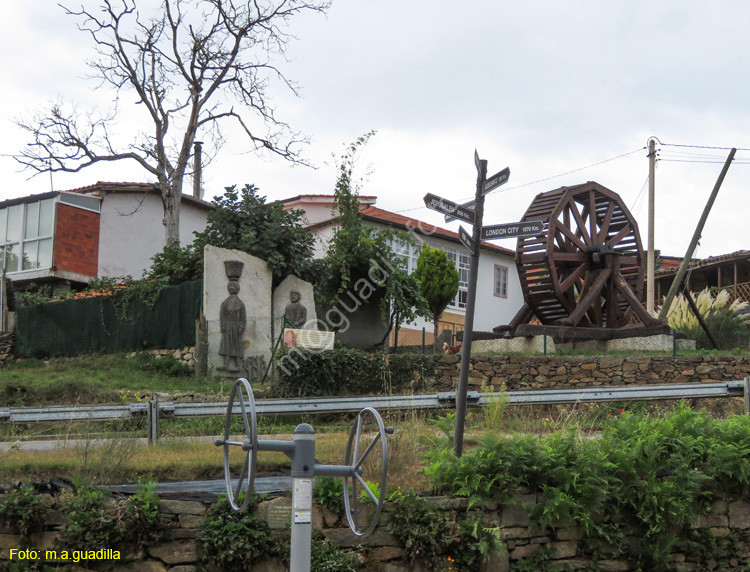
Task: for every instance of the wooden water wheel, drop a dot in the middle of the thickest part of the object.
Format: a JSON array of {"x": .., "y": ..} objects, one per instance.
[{"x": 588, "y": 269}]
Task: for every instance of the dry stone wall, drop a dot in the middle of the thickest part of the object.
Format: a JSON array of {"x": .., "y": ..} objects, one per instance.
[
  {"x": 727, "y": 518},
  {"x": 518, "y": 372}
]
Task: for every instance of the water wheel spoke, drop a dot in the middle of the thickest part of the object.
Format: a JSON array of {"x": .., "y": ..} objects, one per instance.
[
  {"x": 585, "y": 303},
  {"x": 592, "y": 212},
  {"x": 604, "y": 231},
  {"x": 572, "y": 238},
  {"x": 615, "y": 240},
  {"x": 573, "y": 278},
  {"x": 579, "y": 221},
  {"x": 624, "y": 288}
]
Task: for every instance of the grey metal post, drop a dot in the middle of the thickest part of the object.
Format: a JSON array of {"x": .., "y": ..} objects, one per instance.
[
  {"x": 423, "y": 340},
  {"x": 747, "y": 396},
  {"x": 303, "y": 468},
  {"x": 152, "y": 420},
  {"x": 463, "y": 382}
]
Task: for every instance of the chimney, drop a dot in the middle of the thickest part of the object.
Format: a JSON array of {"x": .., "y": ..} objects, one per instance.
[{"x": 197, "y": 170}]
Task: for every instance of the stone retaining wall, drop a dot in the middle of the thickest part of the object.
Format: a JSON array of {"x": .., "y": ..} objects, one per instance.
[
  {"x": 517, "y": 372},
  {"x": 727, "y": 519},
  {"x": 186, "y": 355}
]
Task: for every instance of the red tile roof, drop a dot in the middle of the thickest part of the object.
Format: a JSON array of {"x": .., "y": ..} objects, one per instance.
[
  {"x": 738, "y": 255},
  {"x": 376, "y": 214}
]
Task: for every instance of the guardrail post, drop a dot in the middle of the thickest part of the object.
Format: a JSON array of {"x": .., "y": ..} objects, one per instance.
[
  {"x": 423, "y": 340},
  {"x": 152, "y": 420},
  {"x": 747, "y": 396}
]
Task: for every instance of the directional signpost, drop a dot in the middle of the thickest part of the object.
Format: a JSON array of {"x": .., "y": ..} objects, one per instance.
[
  {"x": 512, "y": 230},
  {"x": 496, "y": 180},
  {"x": 447, "y": 207},
  {"x": 465, "y": 239},
  {"x": 472, "y": 213},
  {"x": 470, "y": 205}
]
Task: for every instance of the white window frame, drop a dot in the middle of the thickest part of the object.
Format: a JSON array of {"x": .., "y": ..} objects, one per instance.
[{"x": 500, "y": 287}]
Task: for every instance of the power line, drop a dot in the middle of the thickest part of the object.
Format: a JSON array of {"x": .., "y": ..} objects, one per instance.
[{"x": 542, "y": 180}]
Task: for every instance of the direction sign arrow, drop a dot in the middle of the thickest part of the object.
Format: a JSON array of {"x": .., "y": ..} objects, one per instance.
[
  {"x": 496, "y": 180},
  {"x": 445, "y": 206},
  {"x": 469, "y": 205},
  {"x": 512, "y": 229},
  {"x": 465, "y": 238}
]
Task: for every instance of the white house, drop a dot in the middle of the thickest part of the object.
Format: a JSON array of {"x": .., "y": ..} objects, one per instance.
[
  {"x": 103, "y": 230},
  {"x": 499, "y": 294}
]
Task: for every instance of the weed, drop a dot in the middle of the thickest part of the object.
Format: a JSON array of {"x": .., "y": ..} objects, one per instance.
[
  {"x": 327, "y": 557},
  {"x": 440, "y": 539},
  {"x": 329, "y": 492},
  {"x": 23, "y": 510},
  {"x": 233, "y": 541}
]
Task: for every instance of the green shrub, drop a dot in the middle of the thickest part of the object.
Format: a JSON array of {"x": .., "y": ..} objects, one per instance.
[
  {"x": 23, "y": 511},
  {"x": 233, "y": 541},
  {"x": 637, "y": 487},
  {"x": 327, "y": 557},
  {"x": 329, "y": 492},
  {"x": 165, "y": 365},
  {"x": 440, "y": 539},
  {"x": 88, "y": 524},
  {"x": 349, "y": 371}
]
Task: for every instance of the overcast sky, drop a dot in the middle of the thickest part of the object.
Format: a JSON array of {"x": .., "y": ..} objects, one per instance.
[{"x": 546, "y": 88}]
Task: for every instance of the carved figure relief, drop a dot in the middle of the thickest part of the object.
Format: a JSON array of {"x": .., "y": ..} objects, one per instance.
[
  {"x": 232, "y": 319},
  {"x": 295, "y": 312}
]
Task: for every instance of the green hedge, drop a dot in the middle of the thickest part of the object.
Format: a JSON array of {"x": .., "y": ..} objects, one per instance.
[
  {"x": 350, "y": 372},
  {"x": 637, "y": 486}
]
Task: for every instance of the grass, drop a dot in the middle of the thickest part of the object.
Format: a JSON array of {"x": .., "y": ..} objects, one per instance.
[
  {"x": 118, "y": 379},
  {"x": 94, "y": 379}
]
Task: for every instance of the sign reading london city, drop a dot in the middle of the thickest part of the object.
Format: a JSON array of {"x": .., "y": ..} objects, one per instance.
[{"x": 513, "y": 229}]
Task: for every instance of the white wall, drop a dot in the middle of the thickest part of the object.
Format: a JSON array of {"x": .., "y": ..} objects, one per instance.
[
  {"x": 132, "y": 232},
  {"x": 490, "y": 310}
]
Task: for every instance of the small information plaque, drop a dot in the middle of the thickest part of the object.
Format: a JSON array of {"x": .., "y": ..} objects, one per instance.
[{"x": 279, "y": 516}]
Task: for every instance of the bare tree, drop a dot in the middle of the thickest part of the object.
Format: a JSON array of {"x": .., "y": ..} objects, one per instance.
[{"x": 194, "y": 65}]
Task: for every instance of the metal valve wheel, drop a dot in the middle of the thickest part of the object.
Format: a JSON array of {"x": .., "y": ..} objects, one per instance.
[
  {"x": 358, "y": 457},
  {"x": 242, "y": 390}
]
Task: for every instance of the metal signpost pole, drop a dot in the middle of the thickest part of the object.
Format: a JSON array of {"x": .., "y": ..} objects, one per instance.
[
  {"x": 303, "y": 463},
  {"x": 463, "y": 383}
]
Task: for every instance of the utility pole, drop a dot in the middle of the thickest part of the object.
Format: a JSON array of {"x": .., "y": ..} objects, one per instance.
[
  {"x": 677, "y": 282},
  {"x": 650, "y": 258}
]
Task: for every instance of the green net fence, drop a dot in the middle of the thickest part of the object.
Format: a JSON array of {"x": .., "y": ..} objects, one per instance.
[{"x": 109, "y": 324}]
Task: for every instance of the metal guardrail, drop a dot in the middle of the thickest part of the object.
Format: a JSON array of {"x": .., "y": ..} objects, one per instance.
[{"x": 355, "y": 404}]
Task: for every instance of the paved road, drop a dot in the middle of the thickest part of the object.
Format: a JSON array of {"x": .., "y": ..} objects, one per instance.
[{"x": 263, "y": 485}]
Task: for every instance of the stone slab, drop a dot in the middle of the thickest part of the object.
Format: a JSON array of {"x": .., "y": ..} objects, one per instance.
[
  {"x": 528, "y": 344},
  {"x": 255, "y": 292},
  {"x": 281, "y": 299}
]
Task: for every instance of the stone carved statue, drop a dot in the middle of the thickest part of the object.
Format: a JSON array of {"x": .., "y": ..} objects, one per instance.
[
  {"x": 232, "y": 319},
  {"x": 295, "y": 312}
]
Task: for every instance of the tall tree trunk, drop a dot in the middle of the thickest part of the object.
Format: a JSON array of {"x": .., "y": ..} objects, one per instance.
[
  {"x": 435, "y": 332},
  {"x": 171, "y": 198}
]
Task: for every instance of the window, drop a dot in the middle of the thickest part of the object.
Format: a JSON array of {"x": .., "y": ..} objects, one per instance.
[
  {"x": 409, "y": 253},
  {"x": 463, "y": 263},
  {"x": 26, "y": 236},
  {"x": 501, "y": 281}
]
